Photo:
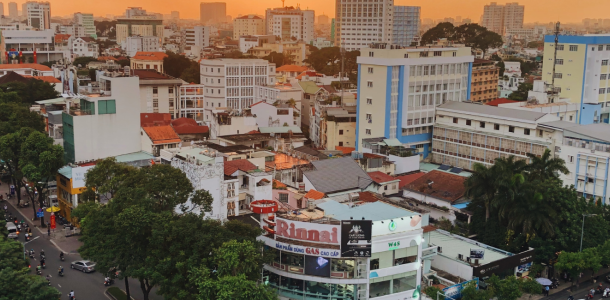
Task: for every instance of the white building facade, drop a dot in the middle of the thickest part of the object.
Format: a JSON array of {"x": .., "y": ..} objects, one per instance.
[
  {"x": 86, "y": 20},
  {"x": 135, "y": 44},
  {"x": 38, "y": 14},
  {"x": 289, "y": 22},
  {"x": 358, "y": 24},
  {"x": 191, "y": 102},
  {"x": 84, "y": 47}
]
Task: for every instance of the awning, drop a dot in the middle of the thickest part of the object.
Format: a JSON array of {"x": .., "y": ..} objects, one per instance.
[
  {"x": 53, "y": 101},
  {"x": 392, "y": 142}
]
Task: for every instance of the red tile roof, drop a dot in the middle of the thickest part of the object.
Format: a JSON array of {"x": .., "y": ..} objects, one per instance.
[
  {"x": 155, "y": 119},
  {"x": 49, "y": 79},
  {"x": 105, "y": 58},
  {"x": 371, "y": 155},
  {"x": 240, "y": 164},
  {"x": 500, "y": 101},
  {"x": 308, "y": 73},
  {"x": 292, "y": 68},
  {"x": 440, "y": 185},
  {"x": 428, "y": 228},
  {"x": 369, "y": 197},
  {"x": 380, "y": 177},
  {"x": 60, "y": 38},
  {"x": 259, "y": 102},
  {"x": 143, "y": 55},
  {"x": 162, "y": 134},
  {"x": 406, "y": 179},
  {"x": 149, "y": 74},
  {"x": 38, "y": 67},
  {"x": 314, "y": 195},
  {"x": 277, "y": 184},
  {"x": 345, "y": 150},
  {"x": 188, "y": 126}
]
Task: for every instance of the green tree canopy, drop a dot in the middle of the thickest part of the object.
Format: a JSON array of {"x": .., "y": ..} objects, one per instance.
[
  {"x": 83, "y": 61},
  {"x": 521, "y": 93},
  {"x": 279, "y": 59},
  {"x": 182, "y": 67},
  {"x": 471, "y": 34}
]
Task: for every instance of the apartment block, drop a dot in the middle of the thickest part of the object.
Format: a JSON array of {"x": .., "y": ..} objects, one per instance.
[
  {"x": 248, "y": 25},
  {"x": 147, "y": 25},
  {"x": 406, "y": 25},
  {"x": 484, "y": 85},
  {"x": 38, "y": 14},
  {"x": 298, "y": 51},
  {"x": 191, "y": 102},
  {"x": 358, "y": 24},
  {"x": 581, "y": 73},
  {"x": 198, "y": 36},
  {"x": 466, "y": 133},
  {"x": 231, "y": 82},
  {"x": 290, "y": 23},
  {"x": 135, "y": 44},
  {"x": 213, "y": 12},
  {"x": 499, "y": 18},
  {"x": 399, "y": 89},
  {"x": 13, "y": 11},
  {"x": 86, "y": 20},
  {"x": 158, "y": 92}
]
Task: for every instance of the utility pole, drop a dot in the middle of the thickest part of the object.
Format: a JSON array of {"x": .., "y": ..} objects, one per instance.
[
  {"x": 342, "y": 72},
  {"x": 555, "y": 59}
]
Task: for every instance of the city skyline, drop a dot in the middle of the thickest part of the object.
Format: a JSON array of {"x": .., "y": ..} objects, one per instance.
[{"x": 535, "y": 11}]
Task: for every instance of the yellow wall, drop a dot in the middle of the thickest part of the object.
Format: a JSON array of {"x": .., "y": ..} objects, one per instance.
[
  {"x": 377, "y": 109},
  {"x": 64, "y": 204},
  {"x": 333, "y": 138},
  {"x": 572, "y": 70}
]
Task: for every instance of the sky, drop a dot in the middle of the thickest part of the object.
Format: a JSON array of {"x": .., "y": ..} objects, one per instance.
[{"x": 543, "y": 11}]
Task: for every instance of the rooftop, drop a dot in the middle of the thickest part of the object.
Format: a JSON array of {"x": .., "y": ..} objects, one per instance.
[
  {"x": 368, "y": 196},
  {"x": 283, "y": 129},
  {"x": 345, "y": 150},
  {"x": 380, "y": 177},
  {"x": 490, "y": 111},
  {"x": 311, "y": 151},
  {"x": 188, "y": 126},
  {"x": 249, "y": 17},
  {"x": 252, "y": 137},
  {"x": 452, "y": 245},
  {"x": 49, "y": 79},
  {"x": 239, "y": 164},
  {"x": 440, "y": 185},
  {"x": 500, "y": 101},
  {"x": 406, "y": 179},
  {"x": 162, "y": 134},
  {"x": 375, "y": 211},
  {"x": 143, "y": 55},
  {"x": 135, "y": 156},
  {"x": 38, "y": 67},
  {"x": 154, "y": 119},
  {"x": 597, "y": 132},
  {"x": 197, "y": 153},
  {"x": 336, "y": 175},
  {"x": 315, "y": 195},
  {"x": 292, "y": 68},
  {"x": 149, "y": 74},
  {"x": 283, "y": 162},
  {"x": 427, "y": 167},
  {"x": 228, "y": 149}
]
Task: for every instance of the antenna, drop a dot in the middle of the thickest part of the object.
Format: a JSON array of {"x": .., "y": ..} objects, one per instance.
[
  {"x": 555, "y": 58},
  {"x": 283, "y": 3}
]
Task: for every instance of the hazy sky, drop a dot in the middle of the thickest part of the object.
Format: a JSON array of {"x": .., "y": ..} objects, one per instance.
[{"x": 535, "y": 10}]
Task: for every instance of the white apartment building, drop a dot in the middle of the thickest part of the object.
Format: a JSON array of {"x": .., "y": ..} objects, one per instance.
[
  {"x": 466, "y": 133},
  {"x": 113, "y": 119},
  {"x": 406, "y": 25},
  {"x": 231, "y": 82},
  {"x": 13, "y": 11},
  {"x": 158, "y": 92},
  {"x": 499, "y": 18},
  {"x": 84, "y": 46},
  {"x": 248, "y": 25},
  {"x": 195, "y": 39},
  {"x": 29, "y": 40},
  {"x": 74, "y": 30},
  {"x": 272, "y": 93},
  {"x": 399, "y": 89},
  {"x": 135, "y": 44},
  {"x": 191, "y": 102},
  {"x": 289, "y": 22},
  {"x": 86, "y": 20},
  {"x": 38, "y": 14},
  {"x": 360, "y": 23}
]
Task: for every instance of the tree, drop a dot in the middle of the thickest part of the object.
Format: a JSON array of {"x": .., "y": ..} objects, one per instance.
[
  {"x": 93, "y": 74},
  {"x": 278, "y": 58},
  {"x": 40, "y": 159},
  {"x": 486, "y": 40},
  {"x": 106, "y": 28},
  {"x": 530, "y": 286},
  {"x": 31, "y": 91},
  {"x": 124, "y": 62},
  {"x": 444, "y": 30},
  {"x": 508, "y": 289},
  {"x": 102, "y": 182},
  {"x": 83, "y": 61},
  {"x": 175, "y": 64},
  {"x": 191, "y": 75},
  {"x": 545, "y": 167},
  {"x": 572, "y": 263},
  {"x": 471, "y": 34},
  {"x": 470, "y": 292},
  {"x": 535, "y": 44},
  {"x": 49, "y": 63},
  {"x": 432, "y": 292},
  {"x": 10, "y": 154},
  {"x": 482, "y": 185},
  {"x": 328, "y": 61},
  {"x": 521, "y": 93}
]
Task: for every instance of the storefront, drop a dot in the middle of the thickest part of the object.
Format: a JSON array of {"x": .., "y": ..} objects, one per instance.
[{"x": 70, "y": 184}]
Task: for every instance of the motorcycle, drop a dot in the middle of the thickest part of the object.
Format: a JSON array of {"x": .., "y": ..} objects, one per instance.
[
  {"x": 31, "y": 254},
  {"x": 60, "y": 273},
  {"x": 38, "y": 271},
  {"x": 109, "y": 282},
  {"x": 24, "y": 204},
  {"x": 606, "y": 293},
  {"x": 44, "y": 266}
]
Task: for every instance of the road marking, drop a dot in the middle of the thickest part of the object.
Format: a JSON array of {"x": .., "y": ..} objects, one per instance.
[{"x": 59, "y": 285}]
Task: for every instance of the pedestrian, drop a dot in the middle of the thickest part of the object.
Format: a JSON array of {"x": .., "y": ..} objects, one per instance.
[
  {"x": 546, "y": 290},
  {"x": 49, "y": 231}
]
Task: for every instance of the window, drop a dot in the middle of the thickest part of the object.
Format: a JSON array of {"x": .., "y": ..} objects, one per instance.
[
  {"x": 496, "y": 126},
  {"x": 106, "y": 107},
  {"x": 170, "y": 90},
  {"x": 455, "y": 120},
  {"x": 602, "y": 91},
  {"x": 340, "y": 132},
  {"x": 600, "y": 47},
  {"x": 438, "y": 53},
  {"x": 468, "y": 122},
  {"x": 559, "y": 61},
  {"x": 482, "y": 124},
  {"x": 155, "y": 90},
  {"x": 573, "y": 47},
  {"x": 526, "y": 131},
  {"x": 607, "y": 47},
  {"x": 558, "y": 75},
  {"x": 340, "y": 144},
  {"x": 406, "y": 55},
  {"x": 371, "y": 54},
  {"x": 571, "y": 118},
  {"x": 559, "y": 47},
  {"x": 369, "y": 116},
  {"x": 570, "y": 158},
  {"x": 369, "y": 84},
  {"x": 370, "y": 70},
  {"x": 283, "y": 197},
  {"x": 603, "y": 76},
  {"x": 604, "y": 62},
  {"x": 511, "y": 129},
  {"x": 369, "y": 101},
  {"x": 368, "y": 132},
  {"x": 540, "y": 133}
]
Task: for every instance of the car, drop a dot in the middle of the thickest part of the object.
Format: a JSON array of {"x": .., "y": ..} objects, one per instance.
[{"x": 83, "y": 265}]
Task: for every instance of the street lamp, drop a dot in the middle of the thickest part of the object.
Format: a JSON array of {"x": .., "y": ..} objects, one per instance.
[{"x": 583, "y": 228}]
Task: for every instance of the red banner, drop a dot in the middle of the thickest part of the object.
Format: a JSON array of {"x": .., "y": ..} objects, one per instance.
[{"x": 52, "y": 221}]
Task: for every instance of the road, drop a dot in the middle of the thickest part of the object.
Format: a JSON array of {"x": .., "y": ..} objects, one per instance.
[
  {"x": 580, "y": 292},
  {"x": 86, "y": 286}
]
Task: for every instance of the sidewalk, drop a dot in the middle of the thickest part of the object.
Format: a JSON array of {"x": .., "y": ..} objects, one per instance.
[{"x": 58, "y": 238}]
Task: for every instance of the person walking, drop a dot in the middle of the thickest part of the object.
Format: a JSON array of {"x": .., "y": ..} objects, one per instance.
[
  {"x": 546, "y": 290},
  {"x": 49, "y": 231}
]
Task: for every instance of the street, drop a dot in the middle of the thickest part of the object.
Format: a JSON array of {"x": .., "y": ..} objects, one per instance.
[
  {"x": 88, "y": 286},
  {"x": 579, "y": 293}
]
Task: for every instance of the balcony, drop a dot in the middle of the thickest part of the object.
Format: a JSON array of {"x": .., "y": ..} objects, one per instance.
[{"x": 429, "y": 252}]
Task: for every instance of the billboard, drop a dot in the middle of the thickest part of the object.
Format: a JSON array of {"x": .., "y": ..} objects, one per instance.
[
  {"x": 78, "y": 176},
  {"x": 477, "y": 253},
  {"x": 504, "y": 264},
  {"x": 356, "y": 238},
  {"x": 308, "y": 232},
  {"x": 317, "y": 266},
  {"x": 455, "y": 291}
]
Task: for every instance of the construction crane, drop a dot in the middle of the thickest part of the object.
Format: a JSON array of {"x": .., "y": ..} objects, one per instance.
[{"x": 553, "y": 92}]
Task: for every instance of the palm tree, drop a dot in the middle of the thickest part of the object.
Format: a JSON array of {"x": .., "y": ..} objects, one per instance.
[
  {"x": 531, "y": 213},
  {"x": 545, "y": 167},
  {"x": 482, "y": 184}
]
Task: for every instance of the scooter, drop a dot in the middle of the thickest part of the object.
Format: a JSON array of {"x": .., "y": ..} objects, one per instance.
[
  {"x": 24, "y": 204},
  {"x": 60, "y": 273},
  {"x": 44, "y": 266},
  {"x": 38, "y": 271},
  {"x": 606, "y": 293},
  {"x": 109, "y": 282}
]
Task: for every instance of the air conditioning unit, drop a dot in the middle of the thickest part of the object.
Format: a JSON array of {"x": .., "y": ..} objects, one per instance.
[
  {"x": 468, "y": 259},
  {"x": 460, "y": 257},
  {"x": 439, "y": 249}
]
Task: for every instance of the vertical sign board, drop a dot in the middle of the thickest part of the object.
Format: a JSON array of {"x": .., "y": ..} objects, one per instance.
[
  {"x": 52, "y": 221},
  {"x": 78, "y": 176},
  {"x": 455, "y": 291},
  {"x": 356, "y": 236}
]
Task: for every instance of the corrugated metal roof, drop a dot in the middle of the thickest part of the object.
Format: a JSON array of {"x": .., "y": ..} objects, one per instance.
[
  {"x": 491, "y": 111},
  {"x": 135, "y": 156},
  {"x": 339, "y": 174},
  {"x": 375, "y": 211},
  {"x": 65, "y": 171},
  {"x": 52, "y": 101}
]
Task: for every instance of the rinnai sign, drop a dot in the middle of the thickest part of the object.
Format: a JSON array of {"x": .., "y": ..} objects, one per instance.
[
  {"x": 307, "y": 250},
  {"x": 305, "y": 231}
]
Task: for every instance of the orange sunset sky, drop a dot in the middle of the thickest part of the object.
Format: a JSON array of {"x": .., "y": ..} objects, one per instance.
[{"x": 566, "y": 11}]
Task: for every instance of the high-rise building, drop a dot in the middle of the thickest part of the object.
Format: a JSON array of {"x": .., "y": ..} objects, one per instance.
[
  {"x": 323, "y": 20},
  {"x": 175, "y": 15},
  {"x": 137, "y": 22},
  {"x": 213, "y": 12},
  {"x": 86, "y": 20},
  {"x": 231, "y": 82},
  {"x": 13, "y": 12},
  {"x": 398, "y": 90},
  {"x": 1, "y": 9},
  {"x": 38, "y": 14},
  {"x": 248, "y": 25},
  {"x": 290, "y": 23},
  {"x": 484, "y": 85},
  {"x": 499, "y": 18},
  {"x": 406, "y": 25},
  {"x": 198, "y": 36},
  {"x": 132, "y": 12},
  {"x": 356, "y": 29}
]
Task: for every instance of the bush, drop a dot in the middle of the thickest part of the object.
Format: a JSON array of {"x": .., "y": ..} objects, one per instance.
[
  {"x": 117, "y": 293},
  {"x": 432, "y": 291}
]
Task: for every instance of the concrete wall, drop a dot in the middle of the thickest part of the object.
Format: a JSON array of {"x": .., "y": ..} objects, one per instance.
[{"x": 452, "y": 266}]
